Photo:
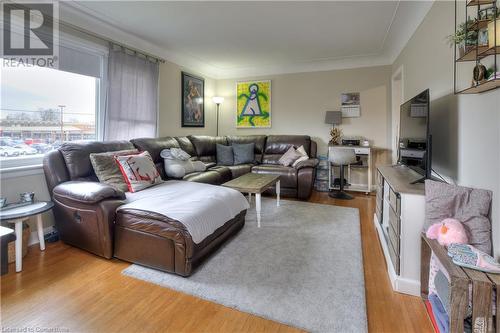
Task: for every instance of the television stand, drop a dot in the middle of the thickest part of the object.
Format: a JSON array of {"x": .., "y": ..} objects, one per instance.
[
  {"x": 419, "y": 181},
  {"x": 399, "y": 219}
]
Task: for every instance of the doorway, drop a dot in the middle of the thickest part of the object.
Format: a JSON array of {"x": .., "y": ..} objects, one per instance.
[{"x": 397, "y": 89}]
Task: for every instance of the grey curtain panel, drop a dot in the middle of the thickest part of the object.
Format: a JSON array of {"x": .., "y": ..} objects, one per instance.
[{"x": 132, "y": 96}]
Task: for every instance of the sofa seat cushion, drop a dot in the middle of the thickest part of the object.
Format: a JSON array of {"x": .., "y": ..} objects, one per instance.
[
  {"x": 215, "y": 176},
  {"x": 224, "y": 172},
  {"x": 288, "y": 175},
  {"x": 201, "y": 208},
  {"x": 240, "y": 170}
]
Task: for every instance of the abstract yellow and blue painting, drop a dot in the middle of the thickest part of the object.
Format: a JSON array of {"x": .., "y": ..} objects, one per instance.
[{"x": 253, "y": 104}]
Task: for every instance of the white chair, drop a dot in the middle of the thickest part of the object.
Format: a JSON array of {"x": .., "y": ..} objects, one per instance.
[{"x": 341, "y": 157}]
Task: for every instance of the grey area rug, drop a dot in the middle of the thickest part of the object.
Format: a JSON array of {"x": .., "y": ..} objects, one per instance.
[{"x": 303, "y": 268}]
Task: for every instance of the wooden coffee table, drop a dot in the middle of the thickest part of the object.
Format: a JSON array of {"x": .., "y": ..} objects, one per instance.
[{"x": 255, "y": 183}]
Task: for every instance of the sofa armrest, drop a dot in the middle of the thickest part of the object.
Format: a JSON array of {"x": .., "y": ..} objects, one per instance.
[
  {"x": 310, "y": 163},
  {"x": 87, "y": 192}
]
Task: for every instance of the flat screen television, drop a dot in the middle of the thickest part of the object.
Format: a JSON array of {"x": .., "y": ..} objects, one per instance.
[{"x": 415, "y": 140}]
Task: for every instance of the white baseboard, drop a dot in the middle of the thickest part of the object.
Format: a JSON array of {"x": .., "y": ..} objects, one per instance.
[{"x": 34, "y": 235}]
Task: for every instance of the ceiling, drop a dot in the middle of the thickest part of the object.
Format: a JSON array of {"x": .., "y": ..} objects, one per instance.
[{"x": 236, "y": 39}]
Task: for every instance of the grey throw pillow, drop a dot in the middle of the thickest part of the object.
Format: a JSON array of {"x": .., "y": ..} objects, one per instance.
[
  {"x": 289, "y": 157},
  {"x": 224, "y": 155},
  {"x": 469, "y": 206},
  {"x": 243, "y": 153},
  {"x": 106, "y": 169}
]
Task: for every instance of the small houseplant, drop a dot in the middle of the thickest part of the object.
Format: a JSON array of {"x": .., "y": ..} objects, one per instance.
[{"x": 462, "y": 38}]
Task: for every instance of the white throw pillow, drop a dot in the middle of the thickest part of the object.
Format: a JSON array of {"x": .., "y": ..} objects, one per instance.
[
  {"x": 302, "y": 151},
  {"x": 178, "y": 168},
  {"x": 139, "y": 171},
  {"x": 179, "y": 154}
]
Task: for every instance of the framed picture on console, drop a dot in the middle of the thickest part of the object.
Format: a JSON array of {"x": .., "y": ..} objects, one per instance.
[{"x": 193, "y": 101}]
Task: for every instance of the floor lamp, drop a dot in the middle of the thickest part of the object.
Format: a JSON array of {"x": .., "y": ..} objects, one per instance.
[{"x": 218, "y": 101}]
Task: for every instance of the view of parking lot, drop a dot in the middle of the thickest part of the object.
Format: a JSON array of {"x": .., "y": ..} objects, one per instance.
[{"x": 40, "y": 108}]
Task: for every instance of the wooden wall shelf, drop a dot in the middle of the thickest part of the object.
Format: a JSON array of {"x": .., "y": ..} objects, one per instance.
[
  {"x": 480, "y": 24},
  {"x": 479, "y": 2},
  {"x": 473, "y": 53},
  {"x": 478, "y": 53},
  {"x": 483, "y": 87}
]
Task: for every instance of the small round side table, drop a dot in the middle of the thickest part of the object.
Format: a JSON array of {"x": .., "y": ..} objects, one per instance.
[{"x": 17, "y": 215}]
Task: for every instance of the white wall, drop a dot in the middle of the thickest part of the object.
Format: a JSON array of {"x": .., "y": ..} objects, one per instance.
[
  {"x": 170, "y": 103},
  {"x": 299, "y": 102},
  {"x": 465, "y": 128}
]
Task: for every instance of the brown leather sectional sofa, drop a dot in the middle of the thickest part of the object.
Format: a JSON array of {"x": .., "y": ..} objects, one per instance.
[{"x": 87, "y": 212}]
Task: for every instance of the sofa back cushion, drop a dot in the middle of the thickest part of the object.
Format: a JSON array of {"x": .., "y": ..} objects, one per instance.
[
  {"x": 258, "y": 140},
  {"x": 277, "y": 145},
  {"x": 76, "y": 155},
  {"x": 205, "y": 146},
  {"x": 186, "y": 145},
  {"x": 154, "y": 146}
]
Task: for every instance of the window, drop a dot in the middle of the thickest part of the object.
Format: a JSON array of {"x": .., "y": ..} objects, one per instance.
[
  {"x": 40, "y": 108},
  {"x": 43, "y": 107}
]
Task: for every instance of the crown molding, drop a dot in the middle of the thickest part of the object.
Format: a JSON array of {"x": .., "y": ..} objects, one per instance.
[
  {"x": 82, "y": 17},
  {"x": 408, "y": 15}
]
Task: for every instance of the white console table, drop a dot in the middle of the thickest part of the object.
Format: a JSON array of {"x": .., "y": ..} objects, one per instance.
[
  {"x": 366, "y": 155},
  {"x": 399, "y": 219}
]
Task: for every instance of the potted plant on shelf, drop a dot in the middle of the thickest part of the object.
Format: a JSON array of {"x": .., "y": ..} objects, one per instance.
[{"x": 464, "y": 40}]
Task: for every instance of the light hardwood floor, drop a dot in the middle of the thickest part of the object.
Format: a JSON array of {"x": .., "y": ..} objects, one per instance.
[{"x": 73, "y": 290}]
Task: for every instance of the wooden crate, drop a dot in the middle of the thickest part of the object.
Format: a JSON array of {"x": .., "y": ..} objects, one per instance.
[{"x": 483, "y": 285}]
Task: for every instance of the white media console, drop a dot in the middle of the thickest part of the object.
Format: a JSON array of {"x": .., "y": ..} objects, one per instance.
[{"x": 399, "y": 219}]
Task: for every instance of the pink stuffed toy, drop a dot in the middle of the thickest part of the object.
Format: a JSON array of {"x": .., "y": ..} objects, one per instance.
[{"x": 447, "y": 232}]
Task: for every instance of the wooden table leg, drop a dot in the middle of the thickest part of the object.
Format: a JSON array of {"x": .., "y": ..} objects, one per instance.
[
  {"x": 258, "y": 207},
  {"x": 19, "y": 244},
  {"x": 250, "y": 198},
  {"x": 39, "y": 227}
]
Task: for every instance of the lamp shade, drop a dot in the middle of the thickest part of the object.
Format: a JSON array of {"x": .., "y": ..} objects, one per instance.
[
  {"x": 218, "y": 99},
  {"x": 333, "y": 117}
]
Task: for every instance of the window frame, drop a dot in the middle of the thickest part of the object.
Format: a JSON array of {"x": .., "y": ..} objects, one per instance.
[{"x": 78, "y": 44}]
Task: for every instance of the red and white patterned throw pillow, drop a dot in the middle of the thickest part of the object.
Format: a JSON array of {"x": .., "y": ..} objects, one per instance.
[{"x": 139, "y": 171}]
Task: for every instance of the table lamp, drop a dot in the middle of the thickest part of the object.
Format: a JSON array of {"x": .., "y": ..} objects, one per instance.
[{"x": 334, "y": 118}]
